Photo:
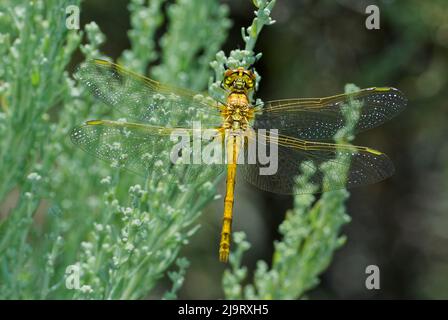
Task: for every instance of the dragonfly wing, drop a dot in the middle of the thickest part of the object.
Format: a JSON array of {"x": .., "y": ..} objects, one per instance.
[
  {"x": 335, "y": 167},
  {"x": 144, "y": 148},
  {"x": 143, "y": 99},
  {"x": 321, "y": 118}
]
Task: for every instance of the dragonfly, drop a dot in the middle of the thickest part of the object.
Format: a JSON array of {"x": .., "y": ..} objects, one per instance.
[{"x": 302, "y": 128}]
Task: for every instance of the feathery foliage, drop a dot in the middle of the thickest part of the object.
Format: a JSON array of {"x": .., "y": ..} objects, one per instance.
[{"x": 71, "y": 217}]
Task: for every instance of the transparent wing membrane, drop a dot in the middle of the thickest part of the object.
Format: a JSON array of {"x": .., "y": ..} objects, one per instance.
[
  {"x": 345, "y": 166},
  {"x": 141, "y": 148},
  {"x": 147, "y": 145},
  {"x": 321, "y": 118},
  {"x": 143, "y": 99}
]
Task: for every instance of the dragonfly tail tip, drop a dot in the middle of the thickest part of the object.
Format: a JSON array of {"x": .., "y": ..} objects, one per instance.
[{"x": 223, "y": 256}]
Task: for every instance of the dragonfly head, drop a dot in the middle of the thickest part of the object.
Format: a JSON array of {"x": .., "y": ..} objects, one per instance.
[{"x": 239, "y": 80}]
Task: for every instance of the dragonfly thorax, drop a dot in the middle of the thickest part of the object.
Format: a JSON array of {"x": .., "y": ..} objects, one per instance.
[{"x": 238, "y": 112}]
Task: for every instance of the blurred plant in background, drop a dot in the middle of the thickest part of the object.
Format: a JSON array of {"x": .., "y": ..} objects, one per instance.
[{"x": 400, "y": 224}]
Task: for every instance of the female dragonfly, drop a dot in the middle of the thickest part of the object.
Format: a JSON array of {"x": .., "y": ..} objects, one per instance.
[{"x": 158, "y": 110}]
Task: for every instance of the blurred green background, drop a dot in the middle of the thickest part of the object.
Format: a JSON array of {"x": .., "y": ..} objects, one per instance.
[{"x": 313, "y": 50}]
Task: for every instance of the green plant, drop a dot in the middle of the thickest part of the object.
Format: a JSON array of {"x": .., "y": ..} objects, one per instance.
[
  {"x": 121, "y": 237},
  {"x": 36, "y": 49}
]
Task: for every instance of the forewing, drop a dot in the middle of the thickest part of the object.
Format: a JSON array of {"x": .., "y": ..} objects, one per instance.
[
  {"x": 321, "y": 118},
  {"x": 143, "y": 99}
]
